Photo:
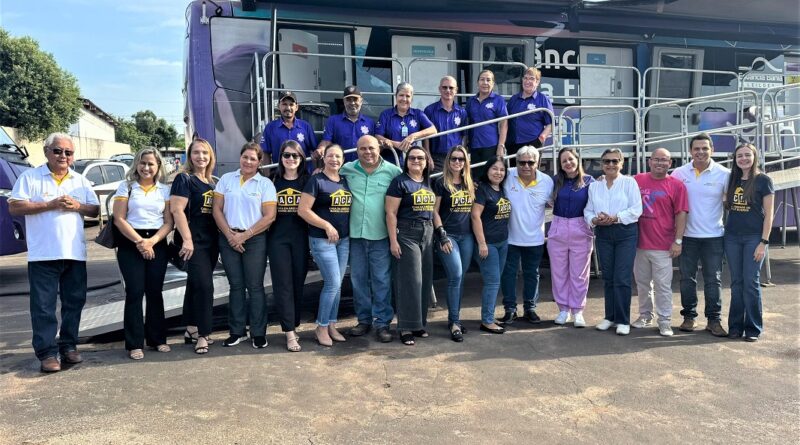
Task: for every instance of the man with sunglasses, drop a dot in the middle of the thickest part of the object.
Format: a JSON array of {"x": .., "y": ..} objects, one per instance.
[
  {"x": 345, "y": 129},
  {"x": 54, "y": 199},
  {"x": 445, "y": 114}
]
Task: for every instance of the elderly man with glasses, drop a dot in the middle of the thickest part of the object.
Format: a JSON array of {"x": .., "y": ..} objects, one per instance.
[
  {"x": 445, "y": 114},
  {"x": 54, "y": 199}
]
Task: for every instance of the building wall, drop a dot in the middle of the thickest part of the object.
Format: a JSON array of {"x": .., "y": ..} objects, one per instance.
[
  {"x": 91, "y": 126},
  {"x": 85, "y": 147}
]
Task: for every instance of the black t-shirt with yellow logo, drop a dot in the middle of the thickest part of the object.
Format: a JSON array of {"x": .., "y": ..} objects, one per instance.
[
  {"x": 198, "y": 209},
  {"x": 333, "y": 200},
  {"x": 416, "y": 198},
  {"x": 455, "y": 208},
  {"x": 496, "y": 211},
  {"x": 288, "y": 192},
  {"x": 747, "y": 218}
]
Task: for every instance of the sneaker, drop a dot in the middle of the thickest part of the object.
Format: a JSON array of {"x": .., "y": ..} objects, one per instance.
[
  {"x": 259, "y": 342},
  {"x": 562, "y": 319},
  {"x": 605, "y": 325},
  {"x": 751, "y": 338},
  {"x": 716, "y": 329},
  {"x": 623, "y": 329},
  {"x": 509, "y": 317},
  {"x": 642, "y": 322},
  {"x": 688, "y": 325},
  {"x": 360, "y": 329},
  {"x": 233, "y": 340},
  {"x": 665, "y": 328},
  {"x": 579, "y": 321}
]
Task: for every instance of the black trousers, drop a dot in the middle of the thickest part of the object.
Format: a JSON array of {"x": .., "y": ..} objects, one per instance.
[
  {"x": 288, "y": 266},
  {"x": 143, "y": 278},
  {"x": 198, "y": 300},
  {"x": 413, "y": 274}
]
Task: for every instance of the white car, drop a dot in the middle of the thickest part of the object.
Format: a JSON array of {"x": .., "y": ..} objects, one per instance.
[
  {"x": 105, "y": 177},
  {"x": 125, "y": 158}
]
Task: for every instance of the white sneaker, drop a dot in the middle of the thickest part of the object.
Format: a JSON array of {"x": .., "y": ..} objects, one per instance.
[
  {"x": 642, "y": 322},
  {"x": 623, "y": 329},
  {"x": 665, "y": 328},
  {"x": 605, "y": 324},
  {"x": 562, "y": 319},
  {"x": 579, "y": 321}
]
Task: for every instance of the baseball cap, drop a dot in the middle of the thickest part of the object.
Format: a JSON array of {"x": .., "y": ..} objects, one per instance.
[
  {"x": 351, "y": 90},
  {"x": 289, "y": 94}
]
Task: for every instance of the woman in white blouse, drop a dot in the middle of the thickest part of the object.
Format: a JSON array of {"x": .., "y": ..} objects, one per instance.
[
  {"x": 614, "y": 207},
  {"x": 244, "y": 207},
  {"x": 142, "y": 217}
]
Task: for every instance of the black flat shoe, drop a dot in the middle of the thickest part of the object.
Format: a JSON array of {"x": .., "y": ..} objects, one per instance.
[
  {"x": 498, "y": 330},
  {"x": 457, "y": 336},
  {"x": 422, "y": 333}
]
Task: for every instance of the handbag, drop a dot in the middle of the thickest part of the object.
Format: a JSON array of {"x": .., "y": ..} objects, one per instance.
[{"x": 108, "y": 236}]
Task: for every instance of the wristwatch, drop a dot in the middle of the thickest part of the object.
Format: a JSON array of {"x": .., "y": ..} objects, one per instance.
[
  {"x": 765, "y": 242},
  {"x": 679, "y": 241}
]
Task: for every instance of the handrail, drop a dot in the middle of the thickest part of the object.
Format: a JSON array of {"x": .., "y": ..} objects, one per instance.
[{"x": 580, "y": 147}]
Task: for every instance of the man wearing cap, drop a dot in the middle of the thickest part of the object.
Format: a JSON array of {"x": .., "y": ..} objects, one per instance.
[
  {"x": 54, "y": 199},
  {"x": 345, "y": 129},
  {"x": 286, "y": 127},
  {"x": 445, "y": 114}
]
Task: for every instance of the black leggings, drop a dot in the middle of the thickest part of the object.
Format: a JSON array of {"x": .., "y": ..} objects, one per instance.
[{"x": 288, "y": 266}]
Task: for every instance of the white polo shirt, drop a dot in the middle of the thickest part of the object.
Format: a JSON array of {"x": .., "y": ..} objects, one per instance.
[
  {"x": 705, "y": 190},
  {"x": 243, "y": 200},
  {"x": 145, "y": 207},
  {"x": 526, "y": 225},
  {"x": 54, "y": 234}
]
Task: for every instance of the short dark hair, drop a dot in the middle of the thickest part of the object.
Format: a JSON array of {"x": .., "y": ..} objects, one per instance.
[
  {"x": 301, "y": 168},
  {"x": 426, "y": 174},
  {"x": 252, "y": 146},
  {"x": 701, "y": 137}
]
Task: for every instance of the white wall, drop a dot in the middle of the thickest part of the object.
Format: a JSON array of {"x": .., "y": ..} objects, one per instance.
[
  {"x": 91, "y": 126},
  {"x": 85, "y": 147}
]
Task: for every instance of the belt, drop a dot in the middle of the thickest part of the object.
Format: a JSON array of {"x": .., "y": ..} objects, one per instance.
[
  {"x": 238, "y": 230},
  {"x": 414, "y": 222}
]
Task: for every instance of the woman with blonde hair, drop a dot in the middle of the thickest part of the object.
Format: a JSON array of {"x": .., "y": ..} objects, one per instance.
[{"x": 191, "y": 200}]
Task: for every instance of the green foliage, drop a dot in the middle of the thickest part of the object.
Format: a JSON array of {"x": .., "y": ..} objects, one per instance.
[
  {"x": 36, "y": 95},
  {"x": 145, "y": 129}
]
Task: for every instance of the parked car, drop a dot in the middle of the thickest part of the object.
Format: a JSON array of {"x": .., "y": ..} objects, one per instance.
[
  {"x": 105, "y": 177},
  {"x": 13, "y": 161},
  {"x": 169, "y": 164},
  {"x": 125, "y": 158}
]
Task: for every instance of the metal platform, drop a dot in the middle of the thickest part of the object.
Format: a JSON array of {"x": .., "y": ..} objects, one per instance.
[{"x": 785, "y": 179}]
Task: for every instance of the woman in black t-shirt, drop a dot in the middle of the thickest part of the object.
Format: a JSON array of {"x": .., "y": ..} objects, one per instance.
[
  {"x": 409, "y": 220},
  {"x": 750, "y": 200},
  {"x": 490, "y": 215},
  {"x": 191, "y": 199},
  {"x": 453, "y": 235},
  {"x": 288, "y": 241},
  {"x": 325, "y": 206}
]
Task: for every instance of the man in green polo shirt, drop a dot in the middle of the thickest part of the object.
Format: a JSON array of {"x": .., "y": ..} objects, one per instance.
[{"x": 370, "y": 264}]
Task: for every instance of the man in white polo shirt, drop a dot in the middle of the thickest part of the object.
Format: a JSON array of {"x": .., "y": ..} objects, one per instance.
[
  {"x": 54, "y": 199},
  {"x": 528, "y": 189},
  {"x": 705, "y": 182}
]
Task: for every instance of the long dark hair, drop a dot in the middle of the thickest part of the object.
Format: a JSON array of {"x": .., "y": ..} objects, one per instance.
[
  {"x": 561, "y": 175},
  {"x": 301, "y": 168},
  {"x": 426, "y": 173},
  {"x": 489, "y": 163},
  {"x": 736, "y": 175}
]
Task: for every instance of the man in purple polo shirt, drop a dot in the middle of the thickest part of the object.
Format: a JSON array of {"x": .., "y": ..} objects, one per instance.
[
  {"x": 345, "y": 129},
  {"x": 445, "y": 114},
  {"x": 286, "y": 127}
]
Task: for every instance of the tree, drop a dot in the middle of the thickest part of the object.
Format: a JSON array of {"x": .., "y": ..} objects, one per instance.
[
  {"x": 36, "y": 96},
  {"x": 145, "y": 129},
  {"x": 127, "y": 133}
]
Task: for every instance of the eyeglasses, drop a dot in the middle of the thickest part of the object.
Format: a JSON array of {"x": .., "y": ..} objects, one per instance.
[
  {"x": 458, "y": 159},
  {"x": 611, "y": 161},
  {"x": 526, "y": 163},
  {"x": 416, "y": 158},
  {"x": 290, "y": 156},
  {"x": 661, "y": 160},
  {"x": 529, "y": 78},
  {"x": 61, "y": 151},
  {"x": 446, "y": 87}
]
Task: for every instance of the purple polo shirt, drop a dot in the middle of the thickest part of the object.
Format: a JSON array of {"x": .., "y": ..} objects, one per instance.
[
  {"x": 528, "y": 128},
  {"x": 390, "y": 123},
  {"x": 276, "y": 133},
  {"x": 492, "y": 107},
  {"x": 570, "y": 203},
  {"x": 339, "y": 129},
  {"x": 446, "y": 120}
]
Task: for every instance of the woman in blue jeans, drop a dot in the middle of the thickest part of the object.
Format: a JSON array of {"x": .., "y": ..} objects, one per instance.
[
  {"x": 453, "y": 235},
  {"x": 490, "y": 214},
  {"x": 244, "y": 208},
  {"x": 750, "y": 200},
  {"x": 325, "y": 206}
]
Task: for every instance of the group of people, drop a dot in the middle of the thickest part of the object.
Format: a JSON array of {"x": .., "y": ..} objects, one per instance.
[{"x": 387, "y": 222}]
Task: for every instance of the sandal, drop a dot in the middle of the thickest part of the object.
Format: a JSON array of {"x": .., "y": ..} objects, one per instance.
[
  {"x": 136, "y": 354},
  {"x": 407, "y": 338},
  {"x": 293, "y": 342},
  {"x": 163, "y": 348},
  {"x": 201, "y": 349},
  {"x": 422, "y": 333},
  {"x": 190, "y": 337}
]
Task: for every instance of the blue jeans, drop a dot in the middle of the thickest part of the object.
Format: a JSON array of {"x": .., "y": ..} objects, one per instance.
[
  {"x": 245, "y": 271},
  {"x": 491, "y": 268},
  {"x": 708, "y": 251},
  {"x": 456, "y": 264},
  {"x": 332, "y": 262},
  {"x": 48, "y": 280},
  {"x": 371, "y": 275},
  {"x": 616, "y": 250},
  {"x": 530, "y": 256},
  {"x": 745, "y": 312}
]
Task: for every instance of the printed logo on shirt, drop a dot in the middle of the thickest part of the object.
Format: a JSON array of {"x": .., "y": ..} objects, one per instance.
[
  {"x": 364, "y": 129},
  {"x": 412, "y": 123},
  {"x": 301, "y": 137},
  {"x": 649, "y": 199},
  {"x": 288, "y": 200},
  {"x": 739, "y": 204},
  {"x": 457, "y": 121},
  {"x": 422, "y": 201},
  {"x": 340, "y": 201},
  {"x": 490, "y": 105},
  {"x": 460, "y": 202},
  {"x": 531, "y": 106},
  {"x": 208, "y": 201},
  {"x": 503, "y": 209}
]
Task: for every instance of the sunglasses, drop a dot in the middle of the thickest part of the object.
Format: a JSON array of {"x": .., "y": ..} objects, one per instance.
[
  {"x": 444, "y": 87},
  {"x": 61, "y": 151},
  {"x": 526, "y": 163},
  {"x": 458, "y": 159},
  {"x": 416, "y": 158},
  {"x": 611, "y": 161},
  {"x": 290, "y": 156}
]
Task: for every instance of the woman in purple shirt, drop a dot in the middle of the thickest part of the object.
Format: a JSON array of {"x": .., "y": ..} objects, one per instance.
[
  {"x": 531, "y": 129},
  {"x": 486, "y": 141},
  {"x": 400, "y": 127}
]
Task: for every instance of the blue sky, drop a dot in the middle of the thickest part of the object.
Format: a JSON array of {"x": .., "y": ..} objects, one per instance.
[{"x": 126, "y": 55}]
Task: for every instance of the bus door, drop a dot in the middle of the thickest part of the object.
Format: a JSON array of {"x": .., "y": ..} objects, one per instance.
[
  {"x": 508, "y": 78},
  {"x": 610, "y": 126},
  {"x": 423, "y": 75},
  {"x": 299, "y": 72}
]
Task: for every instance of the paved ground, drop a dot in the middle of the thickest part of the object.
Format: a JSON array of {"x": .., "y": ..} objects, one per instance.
[{"x": 533, "y": 384}]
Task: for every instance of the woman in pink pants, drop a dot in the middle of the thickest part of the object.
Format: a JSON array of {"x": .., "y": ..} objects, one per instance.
[{"x": 569, "y": 241}]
